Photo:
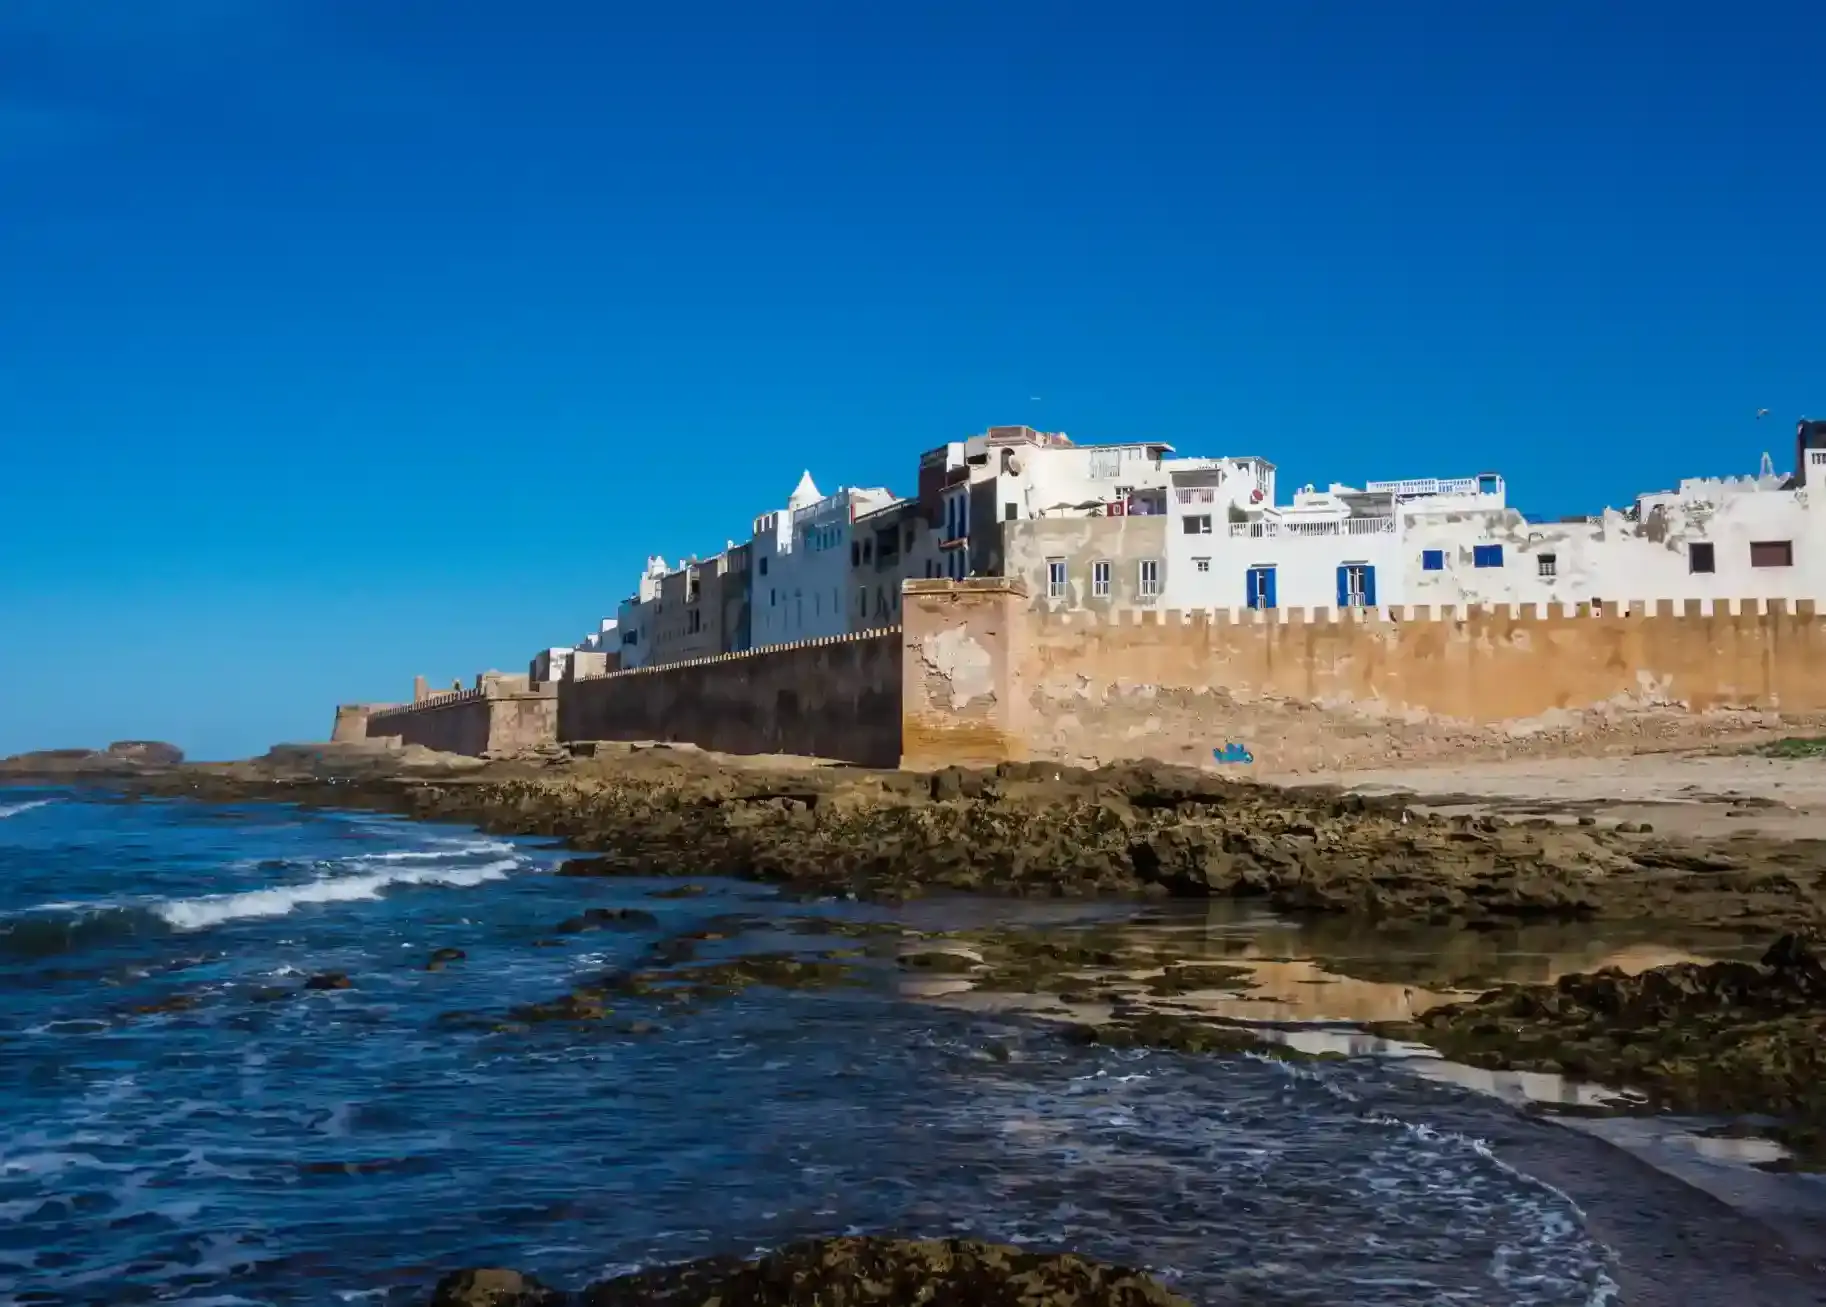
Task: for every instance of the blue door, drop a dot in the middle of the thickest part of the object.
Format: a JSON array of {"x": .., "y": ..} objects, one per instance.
[
  {"x": 1356, "y": 586},
  {"x": 1260, "y": 591}
]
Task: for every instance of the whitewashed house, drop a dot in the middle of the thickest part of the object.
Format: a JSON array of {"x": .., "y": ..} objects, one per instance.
[
  {"x": 637, "y": 617},
  {"x": 799, "y": 580}
]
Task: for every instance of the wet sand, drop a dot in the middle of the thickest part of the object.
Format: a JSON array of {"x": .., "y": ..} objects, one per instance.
[{"x": 1702, "y": 796}]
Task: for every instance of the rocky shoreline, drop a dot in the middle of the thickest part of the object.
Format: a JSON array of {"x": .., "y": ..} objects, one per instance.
[
  {"x": 1044, "y": 829},
  {"x": 1733, "y": 1038}
]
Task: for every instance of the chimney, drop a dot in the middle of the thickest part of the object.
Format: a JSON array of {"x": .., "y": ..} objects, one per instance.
[{"x": 421, "y": 689}]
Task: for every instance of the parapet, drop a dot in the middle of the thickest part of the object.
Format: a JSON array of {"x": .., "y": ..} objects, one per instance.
[
  {"x": 761, "y": 651},
  {"x": 1418, "y": 613}
]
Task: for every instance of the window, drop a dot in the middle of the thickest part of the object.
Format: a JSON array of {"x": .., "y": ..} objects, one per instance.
[
  {"x": 1699, "y": 557},
  {"x": 1486, "y": 555},
  {"x": 1549, "y": 565},
  {"x": 928, "y": 569},
  {"x": 1772, "y": 553},
  {"x": 1197, "y": 525},
  {"x": 1432, "y": 560},
  {"x": 855, "y": 554},
  {"x": 696, "y": 623},
  {"x": 1260, "y": 587},
  {"x": 868, "y": 551},
  {"x": 1356, "y": 586},
  {"x": 1202, "y": 564},
  {"x": 1010, "y": 512},
  {"x": 763, "y": 564},
  {"x": 1150, "y": 578},
  {"x": 1100, "y": 579},
  {"x": 773, "y": 598},
  {"x": 1055, "y": 578},
  {"x": 862, "y": 602}
]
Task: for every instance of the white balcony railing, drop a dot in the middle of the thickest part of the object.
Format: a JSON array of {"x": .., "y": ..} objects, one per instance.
[
  {"x": 1425, "y": 486},
  {"x": 1197, "y": 495},
  {"x": 1338, "y": 526}
]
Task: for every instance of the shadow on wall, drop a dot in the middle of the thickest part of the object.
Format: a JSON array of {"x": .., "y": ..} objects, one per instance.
[{"x": 836, "y": 698}]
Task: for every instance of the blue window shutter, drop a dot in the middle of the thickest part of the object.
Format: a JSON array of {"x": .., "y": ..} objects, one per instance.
[
  {"x": 1432, "y": 560},
  {"x": 1369, "y": 587},
  {"x": 1270, "y": 579},
  {"x": 1344, "y": 587},
  {"x": 1249, "y": 588}
]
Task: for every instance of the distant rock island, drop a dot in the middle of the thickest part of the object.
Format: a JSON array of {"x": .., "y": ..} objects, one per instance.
[{"x": 120, "y": 758}]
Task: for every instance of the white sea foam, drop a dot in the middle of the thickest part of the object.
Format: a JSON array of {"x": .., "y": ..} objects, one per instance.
[
  {"x": 14, "y": 809},
  {"x": 214, "y": 909},
  {"x": 451, "y": 849}
]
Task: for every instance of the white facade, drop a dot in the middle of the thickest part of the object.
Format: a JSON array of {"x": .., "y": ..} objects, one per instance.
[
  {"x": 1456, "y": 542},
  {"x": 1337, "y": 547},
  {"x": 1712, "y": 539},
  {"x": 638, "y": 614},
  {"x": 799, "y": 583}
]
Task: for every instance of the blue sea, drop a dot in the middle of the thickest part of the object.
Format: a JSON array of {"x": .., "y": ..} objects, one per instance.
[{"x": 271, "y": 1144}]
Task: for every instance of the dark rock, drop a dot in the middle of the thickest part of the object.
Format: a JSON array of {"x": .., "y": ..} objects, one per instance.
[
  {"x": 440, "y": 958},
  {"x": 608, "y": 919},
  {"x": 492, "y": 1287},
  {"x": 329, "y": 980},
  {"x": 842, "y": 1272}
]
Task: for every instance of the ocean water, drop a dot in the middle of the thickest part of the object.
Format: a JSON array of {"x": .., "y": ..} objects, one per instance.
[{"x": 268, "y": 1145}]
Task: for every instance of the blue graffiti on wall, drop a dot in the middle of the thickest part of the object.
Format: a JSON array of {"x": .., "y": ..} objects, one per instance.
[{"x": 1233, "y": 752}]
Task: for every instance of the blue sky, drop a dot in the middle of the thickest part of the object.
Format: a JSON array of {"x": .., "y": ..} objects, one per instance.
[{"x": 347, "y": 339}]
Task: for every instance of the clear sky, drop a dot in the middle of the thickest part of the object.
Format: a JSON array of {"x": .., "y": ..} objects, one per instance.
[{"x": 347, "y": 339}]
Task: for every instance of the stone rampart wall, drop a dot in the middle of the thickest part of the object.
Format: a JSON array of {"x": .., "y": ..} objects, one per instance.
[
  {"x": 490, "y": 720},
  {"x": 985, "y": 678},
  {"x": 837, "y": 697}
]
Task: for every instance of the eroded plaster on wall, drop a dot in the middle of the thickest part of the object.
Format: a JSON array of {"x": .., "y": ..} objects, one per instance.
[{"x": 965, "y": 667}]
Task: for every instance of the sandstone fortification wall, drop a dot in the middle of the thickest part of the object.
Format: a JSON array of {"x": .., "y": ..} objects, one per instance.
[
  {"x": 837, "y": 697},
  {"x": 503, "y": 715},
  {"x": 985, "y": 678}
]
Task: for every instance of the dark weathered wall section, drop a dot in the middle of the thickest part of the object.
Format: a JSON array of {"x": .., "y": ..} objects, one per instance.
[
  {"x": 493, "y": 719},
  {"x": 831, "y": 698}
]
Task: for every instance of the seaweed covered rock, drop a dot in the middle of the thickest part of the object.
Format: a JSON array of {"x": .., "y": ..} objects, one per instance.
[
  {"x": 843, "y": 1272},
  {"x": 1724, "y": 1037}
]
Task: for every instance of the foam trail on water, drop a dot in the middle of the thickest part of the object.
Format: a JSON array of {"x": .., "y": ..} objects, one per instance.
[
  {"x": 214, "y": 909},
  {"x": 14, "y": 809}
]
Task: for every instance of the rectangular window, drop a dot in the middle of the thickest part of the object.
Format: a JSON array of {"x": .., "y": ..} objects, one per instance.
[
  {"x": 1100, "y": 579},
  {"x": 763, "y": 564},
  {"x": 1772, "y": 553},
  {"x": 862, "y": 602},
  {"x": 773, "y": 598},
  {"x": 1202, "y": 564},
  {"x": 855, "y": 554},
  {"x": 1432, "y": 560},
  {"x": 1549, "y": 565},
  {"x": 1699, "y": 557},
  {"x": 1197, "y": 525},
  {"x": 1356, "y": 586},
  {"x": 1486, "y": 555},
  {"x": 1010, "y": 512},
  {"x": 1150, "y": 578},
  {"x": 1055, "y": 578},
  {"x": 1260, "y": 587}
]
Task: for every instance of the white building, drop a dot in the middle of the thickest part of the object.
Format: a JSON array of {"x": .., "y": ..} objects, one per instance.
[
  {"x": 1711, "y": 539},
  {"x": 1010, "y": 474},
  {"x": 638, "y": 615},
  {"x": 1231, "y": 546},
  {"x": 799, "y": 581},
  {"x": 1457, "y": 542}
]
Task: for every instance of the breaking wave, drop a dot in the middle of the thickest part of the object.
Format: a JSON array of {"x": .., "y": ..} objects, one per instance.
[
  {"x": 14, "y": 809},
  {"x": 57, "y": 928},
  {"x": 214, "y": 909}
]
